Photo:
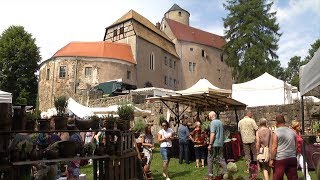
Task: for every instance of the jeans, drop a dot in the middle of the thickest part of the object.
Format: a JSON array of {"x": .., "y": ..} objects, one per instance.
[
  {"x": 184, "y": 152},
  {"x": 216, "y": 156},
  {"x": 287, "y": 166}
]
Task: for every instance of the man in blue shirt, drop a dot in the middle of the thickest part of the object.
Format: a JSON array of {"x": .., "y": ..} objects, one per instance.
[
  {"x": 183, "y": 134},
  {"x": 215, "y": 147}
]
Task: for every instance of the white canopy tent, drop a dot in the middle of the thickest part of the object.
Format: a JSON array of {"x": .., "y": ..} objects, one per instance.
[
  {"x": 204, "y": 86},
  {"x": 83, "y": 111},
  {"x": 5, "y": 97},
  {"x": 264, "y": 90}
]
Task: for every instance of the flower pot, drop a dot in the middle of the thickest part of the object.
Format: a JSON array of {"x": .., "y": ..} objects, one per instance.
[
  {"x": 109, "y": 124},
  {"x": 30, "y": 125},
  {"x": 44, "y": 124},
  {"x": 123, "y": 125},
  {"x": 60, "y": 122}
]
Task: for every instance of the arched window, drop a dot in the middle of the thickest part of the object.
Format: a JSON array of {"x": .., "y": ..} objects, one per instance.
[
  {"x": 179, "y": 13},
  {"x": 151, "y": 61}
]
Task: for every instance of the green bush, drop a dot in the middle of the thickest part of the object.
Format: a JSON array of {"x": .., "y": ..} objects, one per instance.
[
  {"x": 33, "y": 115},
  {"x": 205, "y": 125},
  {"x": 61, "y": 104},
  {"x": 126, "y": 111}
]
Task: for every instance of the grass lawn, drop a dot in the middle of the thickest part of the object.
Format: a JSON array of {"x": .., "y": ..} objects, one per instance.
[{"x": 186, "y": 171}]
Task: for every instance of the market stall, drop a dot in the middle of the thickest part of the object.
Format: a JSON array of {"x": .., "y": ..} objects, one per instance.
[
  {"x": 202, "y": 95},
  {"x": 310, "y": 86}
]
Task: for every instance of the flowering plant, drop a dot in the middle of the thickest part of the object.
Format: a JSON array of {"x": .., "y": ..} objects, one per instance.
[
  {"x": 232, "y": 169},
  {"x": 253, "y": 172}
]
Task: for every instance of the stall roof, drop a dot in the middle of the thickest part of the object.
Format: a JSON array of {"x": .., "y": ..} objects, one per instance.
[
  {"x": 310, "y": 77},
  {"x": 209, "y": 100}
]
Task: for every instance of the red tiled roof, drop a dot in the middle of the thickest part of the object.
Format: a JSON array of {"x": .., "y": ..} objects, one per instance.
[
  {"x": 97, "y": 49},
  {"x": 191, "y": 34}
]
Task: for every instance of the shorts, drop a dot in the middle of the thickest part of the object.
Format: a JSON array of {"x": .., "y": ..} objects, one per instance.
[
  {"x": 165, "y": 153},
  {"x": 200, "y": 152},
  {"x": 148, "y": 155}
]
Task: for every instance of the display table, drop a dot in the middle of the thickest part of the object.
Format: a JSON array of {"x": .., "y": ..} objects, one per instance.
[{"x": 310, "y": 158}]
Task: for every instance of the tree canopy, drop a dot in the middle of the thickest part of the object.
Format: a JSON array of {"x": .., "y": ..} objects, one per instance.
[
  {"x": 252, "y": 34},
  {"x": 19, "y": 57},
  {"x": 291, "y": 73}
]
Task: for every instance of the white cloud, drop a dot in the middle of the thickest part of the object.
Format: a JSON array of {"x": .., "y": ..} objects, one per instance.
[
  {"x": 296, "y": 8},
  {"x": 56, "y": 23}
]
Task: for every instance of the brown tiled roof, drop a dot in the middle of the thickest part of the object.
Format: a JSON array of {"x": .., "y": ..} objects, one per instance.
[
  {"x": 191, "y": 34},
  {"x": 97, "y": 49}
]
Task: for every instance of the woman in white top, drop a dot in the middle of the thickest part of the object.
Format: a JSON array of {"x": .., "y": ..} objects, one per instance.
[{"x": 165, "y": 136}]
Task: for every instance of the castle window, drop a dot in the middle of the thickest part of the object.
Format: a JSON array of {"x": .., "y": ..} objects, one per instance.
[
  {"x": 87, "y": 71},
  {"x": 48, "y": 74},
  {"x": 191, "y": 49},
  {"x": 121, "y": 30},
  {"x": 170, "y": 81},
  {"x": 174, "y": 83},
  {"x": 179, "y": 13},
  {"x": 128, "y": 74},
  {"x": 165, "y": 80},
  {"x": 151, "y": 61},
  {"x": 165, "y": 60},
  {"x": 115, "y": 32},
  {"x": 190, "y": 66},
  {"x": 170, "y": 62},
  {"x": 174, "y": 64},
  {"x": 62, "y": 72},
  {"x": 203, "y": 53}
]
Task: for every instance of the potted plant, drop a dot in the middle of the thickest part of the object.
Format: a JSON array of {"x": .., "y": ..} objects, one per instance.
[
  {"x": 126, "y": 114},
  {"x": 32, "y": 118},
  {"x": 138, "y": 127},
  {"x": 60, "y": 104}
]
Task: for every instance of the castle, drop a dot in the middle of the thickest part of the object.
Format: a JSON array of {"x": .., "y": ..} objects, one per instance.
[{"x": 170, "y": 54}]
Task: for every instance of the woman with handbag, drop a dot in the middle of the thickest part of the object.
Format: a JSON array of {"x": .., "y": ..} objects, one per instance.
[
  {"x": 295, "y": 125},
  {"x": 263, "y": 138}
]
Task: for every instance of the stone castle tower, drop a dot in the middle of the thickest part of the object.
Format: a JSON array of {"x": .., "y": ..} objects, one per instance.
[{"x": 178, "y": 14}]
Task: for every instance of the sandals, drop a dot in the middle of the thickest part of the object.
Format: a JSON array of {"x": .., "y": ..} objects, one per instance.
[
  {"x": 197, "y": 166},
  {"x": 202, "y": 166}
]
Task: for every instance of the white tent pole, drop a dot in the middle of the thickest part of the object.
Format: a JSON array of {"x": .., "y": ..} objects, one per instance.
[{"x": 303, "y": 144}]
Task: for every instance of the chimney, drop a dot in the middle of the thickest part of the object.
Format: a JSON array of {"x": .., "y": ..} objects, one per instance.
[{"x": 158, "y": 25}]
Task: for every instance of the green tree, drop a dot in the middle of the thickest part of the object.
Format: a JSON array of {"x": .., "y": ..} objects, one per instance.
[
  {"x": 252, "y": 34},
  {"x": 314, "y": 47},
  {"x": 292, "y": 71},
  {"x": 19, "y": 57}
]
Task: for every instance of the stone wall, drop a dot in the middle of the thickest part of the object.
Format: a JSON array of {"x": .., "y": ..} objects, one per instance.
[{"x": 290, "y": 111}]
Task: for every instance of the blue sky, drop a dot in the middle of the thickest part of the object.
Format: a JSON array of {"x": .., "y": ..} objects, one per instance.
[{"x": 56, "y": 23}]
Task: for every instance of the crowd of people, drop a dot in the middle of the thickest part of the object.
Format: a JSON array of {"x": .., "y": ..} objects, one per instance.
[{"x": 283, "y": 143}]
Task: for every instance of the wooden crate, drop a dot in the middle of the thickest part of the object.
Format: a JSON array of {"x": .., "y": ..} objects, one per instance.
[
  {"x": 119, "y": 142},
  {"x": 118, "y": 168}
]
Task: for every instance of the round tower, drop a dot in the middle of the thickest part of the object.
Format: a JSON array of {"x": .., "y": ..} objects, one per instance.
[{"x": 178, "y": 14}]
